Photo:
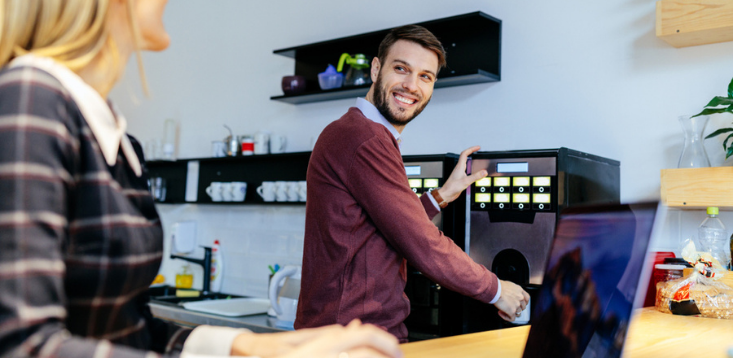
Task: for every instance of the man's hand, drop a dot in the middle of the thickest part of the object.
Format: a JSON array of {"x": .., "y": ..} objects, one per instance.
[
  {"x": 512, "y": 302},
  {"x": 458, "y": 180},
  {"x": 354, "y": 340}
]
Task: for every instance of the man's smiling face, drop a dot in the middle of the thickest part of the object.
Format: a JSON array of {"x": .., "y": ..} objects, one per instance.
[{"x": 404, "y": 83}]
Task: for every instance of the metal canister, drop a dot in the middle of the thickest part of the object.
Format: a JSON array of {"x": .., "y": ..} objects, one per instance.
[{"x": 232, "y": 146}]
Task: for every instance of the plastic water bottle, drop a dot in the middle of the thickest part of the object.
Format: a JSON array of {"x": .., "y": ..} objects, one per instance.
[{"x": 714, "y": 238}]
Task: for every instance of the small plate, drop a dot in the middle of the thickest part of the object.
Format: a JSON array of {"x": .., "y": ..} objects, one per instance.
[{"x": 233, "y": 307}]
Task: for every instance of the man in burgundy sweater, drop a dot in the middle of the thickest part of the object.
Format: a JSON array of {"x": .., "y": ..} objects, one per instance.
[{"x": 364, "y": 223}]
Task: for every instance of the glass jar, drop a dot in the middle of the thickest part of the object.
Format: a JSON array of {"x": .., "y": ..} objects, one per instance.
[{"x": 693, "y": 154}]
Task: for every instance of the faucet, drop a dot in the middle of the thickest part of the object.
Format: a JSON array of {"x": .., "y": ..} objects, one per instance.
[{"x": 205, "y": 263}]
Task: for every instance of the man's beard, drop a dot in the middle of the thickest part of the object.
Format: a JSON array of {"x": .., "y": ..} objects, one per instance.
[{"x": 382, "y": 103}]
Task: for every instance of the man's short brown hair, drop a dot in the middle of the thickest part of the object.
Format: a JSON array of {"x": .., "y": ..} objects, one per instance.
[{"x": 416, "y": 34}]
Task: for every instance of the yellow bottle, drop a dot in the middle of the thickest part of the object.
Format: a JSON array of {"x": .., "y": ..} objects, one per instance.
[{"x": 184, "y": 279}]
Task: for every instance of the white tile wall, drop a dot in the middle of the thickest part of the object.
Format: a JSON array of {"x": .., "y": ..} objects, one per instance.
[{"x": 251, "y": 238}]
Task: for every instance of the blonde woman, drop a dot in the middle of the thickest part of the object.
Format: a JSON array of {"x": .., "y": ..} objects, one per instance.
[{"x": 80, "y": 240}]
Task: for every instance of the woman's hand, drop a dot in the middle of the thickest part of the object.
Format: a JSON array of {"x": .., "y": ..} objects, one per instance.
[
  {"x": 356, "y": 340},
  {"x": 458, "y": 180}
]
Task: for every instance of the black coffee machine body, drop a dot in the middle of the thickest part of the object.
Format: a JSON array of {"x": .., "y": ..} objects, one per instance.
[
  {"x": 434, "y": 311},
  {"x": 511, "y": 214}
]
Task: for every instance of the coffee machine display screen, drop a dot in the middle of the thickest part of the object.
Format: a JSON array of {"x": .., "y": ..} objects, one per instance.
[
  {"x": 484, "y": 182},
  {"x": 431, "y": 183},
  {"x": 521, "y": 181},
  {"x": 501, "y": 198},
  {"x": 412, "y": 169},
  {"x": 502, "y": 181},
  {"x": 520, "y": 198},
  {"x": 522, "y": 167},
  {"x": 541, "y": 198},
  {"x": 415, "y": 183},
  {"x": 483, "y": 198},
  {"x": 541, "y": 181}
]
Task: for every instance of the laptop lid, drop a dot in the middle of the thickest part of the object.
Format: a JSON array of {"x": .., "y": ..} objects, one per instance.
[{"x": 592, "y": 281}]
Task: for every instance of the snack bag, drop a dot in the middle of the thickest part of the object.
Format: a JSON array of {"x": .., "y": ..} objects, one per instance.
[
  {"x": 695, "y": 294},
  {"x": 706, "y": 291}
]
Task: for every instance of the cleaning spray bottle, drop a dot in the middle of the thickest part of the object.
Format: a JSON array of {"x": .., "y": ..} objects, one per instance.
[{"x": 217, "y": 267}]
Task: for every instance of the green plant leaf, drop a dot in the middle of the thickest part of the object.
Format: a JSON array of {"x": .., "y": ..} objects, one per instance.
[
  {"x": 719, "y": 132},
  {"x": 730, "y": 88},
  {"x": 708, "y": 111},
  {"x": 729, "y": 153},
  {"x": 725, "y": 142},
  {"x": 720, "y": 101}
]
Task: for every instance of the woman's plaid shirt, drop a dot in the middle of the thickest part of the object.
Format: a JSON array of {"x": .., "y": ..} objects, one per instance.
[{"x": 80, "y": 241}]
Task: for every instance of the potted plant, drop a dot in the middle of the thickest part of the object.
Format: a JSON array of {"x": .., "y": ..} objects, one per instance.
[{"x": 721, "y": 104}]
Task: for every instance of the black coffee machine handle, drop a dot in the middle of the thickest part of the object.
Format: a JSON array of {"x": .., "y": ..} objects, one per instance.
[{"x": 205, "y": 263}]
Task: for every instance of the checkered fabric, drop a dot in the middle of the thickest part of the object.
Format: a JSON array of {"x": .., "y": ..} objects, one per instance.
[{"x": 80, "y": 241}]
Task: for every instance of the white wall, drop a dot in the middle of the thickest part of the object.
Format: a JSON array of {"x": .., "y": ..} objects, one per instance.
[{"x": 588, "y": 75}]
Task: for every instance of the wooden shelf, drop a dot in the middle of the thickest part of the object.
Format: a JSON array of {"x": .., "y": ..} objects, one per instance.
[
  {"x": 698, "y": 188},
  {"x": 683, "y": 23},
  {"x": 472, "y": 41}
]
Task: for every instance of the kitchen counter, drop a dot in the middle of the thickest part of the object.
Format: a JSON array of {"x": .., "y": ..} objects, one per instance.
[
  {"x": 261, "y": 323},
  {"x": 652, "y": 334}
]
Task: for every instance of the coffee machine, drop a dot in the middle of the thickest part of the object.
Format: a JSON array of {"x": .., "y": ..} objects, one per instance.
[
  {"x": 511, "y": 214},
  {"x": 434, "y": 311}
]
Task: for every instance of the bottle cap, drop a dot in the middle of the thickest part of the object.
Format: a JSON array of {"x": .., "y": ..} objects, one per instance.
[{"x": 712, "y": 210}]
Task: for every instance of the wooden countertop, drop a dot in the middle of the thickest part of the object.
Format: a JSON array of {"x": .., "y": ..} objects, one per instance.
[{"x": 652, "y": 334}]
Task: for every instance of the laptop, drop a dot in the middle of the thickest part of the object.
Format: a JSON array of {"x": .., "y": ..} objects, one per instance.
[{"x": 596, "y": 274}]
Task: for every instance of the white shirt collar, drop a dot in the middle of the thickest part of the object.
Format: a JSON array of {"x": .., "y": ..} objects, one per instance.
[
  {"x": 371, "y": 112},
  {"x": 108, "y": 130}
]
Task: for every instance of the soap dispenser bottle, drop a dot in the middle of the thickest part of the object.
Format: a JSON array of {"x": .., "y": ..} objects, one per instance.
[{"x": 217, "y": 267}]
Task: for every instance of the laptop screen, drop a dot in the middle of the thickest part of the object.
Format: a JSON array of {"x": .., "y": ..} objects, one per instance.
[{"x": 591, "y": 281}]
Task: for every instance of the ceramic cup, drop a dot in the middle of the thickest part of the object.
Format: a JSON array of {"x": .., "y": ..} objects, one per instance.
[
  {"x": 281, "y": 191},
  {"x": 302, "y": 190},
  {"x": 214, "y": 191},
  {"x": 218, "y": 149},
  {"x": 267, "y": 190},
  {"x": 293, "y": 191},
  {"x": 524, "y": 316},
  {"x": 226, "y": 192},
  {"x": 262, "y": 143},
  {"x": 239, "y": 190},
  {"x": 277, "y": 143}
]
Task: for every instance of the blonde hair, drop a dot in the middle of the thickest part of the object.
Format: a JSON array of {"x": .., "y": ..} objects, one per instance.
[{"x": 72, "y": 32}]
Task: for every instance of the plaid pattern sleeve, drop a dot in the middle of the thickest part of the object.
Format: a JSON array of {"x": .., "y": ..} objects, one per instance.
[{"x": 80, "y": 241}]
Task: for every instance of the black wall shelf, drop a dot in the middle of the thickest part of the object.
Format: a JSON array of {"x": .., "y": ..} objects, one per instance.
[
  {"x": 472, "y": 41},
  {"x": 252, "y": 169}
]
